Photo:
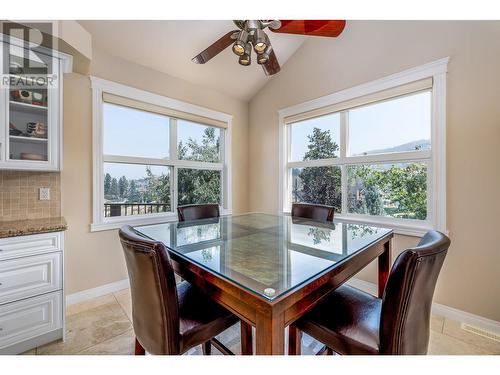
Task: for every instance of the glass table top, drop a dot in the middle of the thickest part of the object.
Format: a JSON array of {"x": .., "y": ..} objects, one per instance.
[{"x": 266, "y": 254}]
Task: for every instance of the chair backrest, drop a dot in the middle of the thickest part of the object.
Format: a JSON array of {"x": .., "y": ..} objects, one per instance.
[
  {"x": 198, "y": 211},
  {"x": 155, "y": 309},
  {"x": 407, "y": 300},
  {"x": 312, "y": 211}
]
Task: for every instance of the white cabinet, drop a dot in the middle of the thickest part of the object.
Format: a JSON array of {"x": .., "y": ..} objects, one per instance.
[
  {"x": 31, "y": 291},
  {"x": 29, "y": 319},
  {"x": 30, "y": 276},
  {"x": 31, "y": 106}
]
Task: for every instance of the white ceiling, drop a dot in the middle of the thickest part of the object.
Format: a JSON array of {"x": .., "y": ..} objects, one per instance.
[{"x": 168, "y": 46}]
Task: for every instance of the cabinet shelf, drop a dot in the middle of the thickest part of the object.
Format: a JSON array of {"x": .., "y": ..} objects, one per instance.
[
  {"x": 26, "y": 107},
  {"x": 21, "y": 139}
]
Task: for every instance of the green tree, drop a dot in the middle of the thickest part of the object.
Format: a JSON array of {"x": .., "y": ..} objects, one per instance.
[
  {"x": 113, "y": 190},
  {"x": 319, "y": 185},
  {"x": 133, "y": 194},
  {"x": 408, "y": 187},
  {"x": 107, "y": 184},
  {"x": 369, "y": 196},
  {"x": 157, "y": 188},
  {"x": 403, "y": 185},
  {"x": 123, "y": 187},
  {"x": 195, "y": 185}
]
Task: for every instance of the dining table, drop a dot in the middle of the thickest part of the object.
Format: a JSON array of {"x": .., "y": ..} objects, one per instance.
[{"x": 270, "y": 270}]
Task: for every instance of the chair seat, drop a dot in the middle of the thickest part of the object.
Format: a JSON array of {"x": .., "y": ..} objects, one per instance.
[
  {"x": 347, "y": 321},
  {"x": 200, "y": 317}
]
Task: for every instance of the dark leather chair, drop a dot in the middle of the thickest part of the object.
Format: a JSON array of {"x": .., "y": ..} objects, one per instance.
[
  {"x": 350, "y": 321},
  {"x": 198, "y": 211},
  {"x": 312, "y": 211},
  {"x": 168, "y": 318}
]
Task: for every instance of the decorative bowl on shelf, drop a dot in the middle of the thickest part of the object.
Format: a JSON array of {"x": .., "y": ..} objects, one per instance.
[{"x": 30, "y": 156}]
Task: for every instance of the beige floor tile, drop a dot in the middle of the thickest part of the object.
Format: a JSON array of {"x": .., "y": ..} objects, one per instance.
[
  {"x": 90, "y": 327},
  {"x": 124, "y": 299},
  {"x": 441, "y": 344},
  {"x": 123, "y": 344},
  {"x": 437, "y": 323},
  {"x": 90, "y": 304},
  {"x": 453, "y": 328},
  {"x": 30, "y": 352}
]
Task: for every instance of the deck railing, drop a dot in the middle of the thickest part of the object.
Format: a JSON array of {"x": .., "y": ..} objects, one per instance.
[{"x": 127, "y": 209}]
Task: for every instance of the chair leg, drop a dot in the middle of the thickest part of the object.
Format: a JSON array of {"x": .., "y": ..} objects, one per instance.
[
  {"x": 325, "y": 350},
  {"x": 139, "y": 350},
  {"x": 294, "y": 340},
  {"x": 207, "y": 348},
  {"x": 246, "y": 338}
]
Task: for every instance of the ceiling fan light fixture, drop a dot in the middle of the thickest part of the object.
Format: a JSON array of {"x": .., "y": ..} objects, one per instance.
[
  {"x": 260, "y": 42},
  {"x": 240, "y": 43},
  {"x": 246, "y": 58},
  {"x": 262, "y": 58}
]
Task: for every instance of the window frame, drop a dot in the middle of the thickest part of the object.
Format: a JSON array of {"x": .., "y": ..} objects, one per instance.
[
  {"x": 435, "y": 159},
  {"x": 99, "y": 87}
]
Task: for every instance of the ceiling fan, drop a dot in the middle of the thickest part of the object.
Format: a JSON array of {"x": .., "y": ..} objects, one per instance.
[{"x": 251, "y": 33}]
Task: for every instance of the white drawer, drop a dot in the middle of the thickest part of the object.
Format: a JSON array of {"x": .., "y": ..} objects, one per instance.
[
  {"x": 15, "y": 247},
  {"x": 30, "y": 276},
  {"x": 29, "y": 318}
]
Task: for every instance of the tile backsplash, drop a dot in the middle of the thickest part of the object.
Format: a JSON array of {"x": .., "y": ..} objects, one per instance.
[{"x": 19, "y": 195}]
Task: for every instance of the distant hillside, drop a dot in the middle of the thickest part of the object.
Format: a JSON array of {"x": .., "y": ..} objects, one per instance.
[{"x": 422, "y": 144}]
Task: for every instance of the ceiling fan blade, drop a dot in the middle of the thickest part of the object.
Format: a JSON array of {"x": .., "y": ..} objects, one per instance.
[
  {"x": 329, "y": 28},
  {"x": 214, "y": 49},
  {"x": 272, "y": 66}
]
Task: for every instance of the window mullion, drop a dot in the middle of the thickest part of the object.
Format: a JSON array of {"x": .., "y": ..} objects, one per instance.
[
  {"x": 174, "y": 191},
  {"x": 173, "y": 156},
  {"x": 344, "y": 146},
  {"x": 287, "y": 204},
  {"x": 173, "y": 138}
]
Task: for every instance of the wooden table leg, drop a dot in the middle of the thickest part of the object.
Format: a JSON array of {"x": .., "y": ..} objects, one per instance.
[
  {"x": 270, "y": 334},
  {"x": 294, "y": 340},
  {"x": 384, "y": 267},
  {"x": 246, "y": 338}
]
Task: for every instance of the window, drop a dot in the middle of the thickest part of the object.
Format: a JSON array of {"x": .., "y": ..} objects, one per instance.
[
  {"x": 376, "y": 157},
  {"x": 154, "y": 156}
]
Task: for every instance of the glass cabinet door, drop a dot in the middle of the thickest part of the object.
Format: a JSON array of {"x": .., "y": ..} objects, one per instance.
[{"x": 30, "y": 92}]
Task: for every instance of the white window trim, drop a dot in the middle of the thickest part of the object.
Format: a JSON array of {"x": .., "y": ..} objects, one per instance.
[
  {"x": 436, "y": 166},
  {"x": 99, "y": 86}
]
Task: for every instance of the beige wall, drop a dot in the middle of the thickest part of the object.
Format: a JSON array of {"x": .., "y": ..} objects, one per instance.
[
  {"x": 370, "y": 50},
  {"x": 94, "y": 259}
]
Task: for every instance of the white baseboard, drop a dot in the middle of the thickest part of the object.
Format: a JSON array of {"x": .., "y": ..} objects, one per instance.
[
  {"x": 99, "y": 291},
  {"x": 438, "y": 309}
]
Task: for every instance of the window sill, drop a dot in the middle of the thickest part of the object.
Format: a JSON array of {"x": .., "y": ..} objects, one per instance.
[
  {"x": 118, "y": 222},
  {"x": 406, "y": 229}
]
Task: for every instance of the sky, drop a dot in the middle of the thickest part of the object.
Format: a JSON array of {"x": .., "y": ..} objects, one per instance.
[
  {"x": 372, "y": 127},
  {"x": 131, "y": 132}
]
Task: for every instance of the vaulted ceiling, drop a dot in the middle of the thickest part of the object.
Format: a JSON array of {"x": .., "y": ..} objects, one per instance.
[{"x": 168, "y": 46}]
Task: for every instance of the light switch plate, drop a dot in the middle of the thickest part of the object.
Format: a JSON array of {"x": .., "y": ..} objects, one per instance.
[{"x": 44, "y": 194}]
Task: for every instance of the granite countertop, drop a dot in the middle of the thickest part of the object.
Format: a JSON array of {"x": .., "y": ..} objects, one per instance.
[{"x": 32, "y": 226}]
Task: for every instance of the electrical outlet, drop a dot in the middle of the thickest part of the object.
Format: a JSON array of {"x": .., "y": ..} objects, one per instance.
[{"x": 44, "y": 194}]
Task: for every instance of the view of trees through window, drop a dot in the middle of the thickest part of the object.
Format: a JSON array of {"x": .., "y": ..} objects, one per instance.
[
  {"x": 132, "y": 189},
  {"x": 396, "y": 190}
]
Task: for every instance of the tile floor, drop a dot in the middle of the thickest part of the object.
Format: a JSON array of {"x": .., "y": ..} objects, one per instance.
[{"x": 103, "y": 326}]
